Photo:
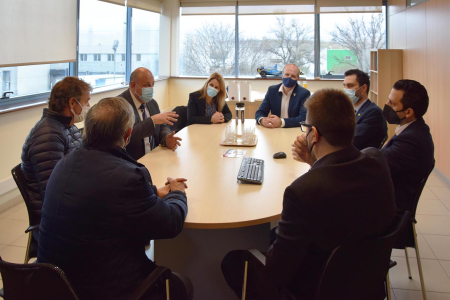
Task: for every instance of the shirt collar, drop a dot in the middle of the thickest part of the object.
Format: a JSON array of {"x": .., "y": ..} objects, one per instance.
[
  {"x": 281, "y": 90},
  {"x": 136, "y": 102},
  {"x": 360, "y": 105},
  {"x": 400, "y": 128}
]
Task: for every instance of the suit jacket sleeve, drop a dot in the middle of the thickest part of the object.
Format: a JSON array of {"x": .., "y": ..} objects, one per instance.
[
  {"x": 264, "y": 108},
  {"x": 226, "y": 112},
  {"x": 141, "y": 130},
  {"x": 292, "y": 240},
  {"x": 403, "y": 154},
  {"x": 367, "y": 129},
  {"x": 295, "y": 121},
  {"x": 164, "y": 129},
  {"x": 151, "y": 217},
  {"x": 196, "y": 115}
]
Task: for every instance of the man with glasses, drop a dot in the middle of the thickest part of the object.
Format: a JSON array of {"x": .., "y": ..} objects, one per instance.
[
  {"x": 151, "y": 126},
  {"x": 346, "y": 196},
  {"x": 284, "y": 101}
]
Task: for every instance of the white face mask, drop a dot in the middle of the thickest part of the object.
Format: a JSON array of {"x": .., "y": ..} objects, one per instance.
[{"x": 80, "y": 118}]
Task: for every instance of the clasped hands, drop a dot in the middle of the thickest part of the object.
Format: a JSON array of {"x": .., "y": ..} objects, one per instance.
[
  {"x": 272, "y": 121},
  {"x": 217, "y": 117},
  {"x": 178, "y": 184},
  {"x": 300, "y": 150}
]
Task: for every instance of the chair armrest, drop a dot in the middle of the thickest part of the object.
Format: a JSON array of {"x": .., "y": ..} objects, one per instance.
[
  {"x": 158, "y": 273},
  {"x": 32, "y": 228},
  {"x": 257, "y": 254}
]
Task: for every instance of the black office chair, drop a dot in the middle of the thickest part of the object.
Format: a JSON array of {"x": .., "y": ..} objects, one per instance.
[
  {"x": 382, "y": 142},
  {"x": 40, "y": 281},
  {"x": 34, "y": 212},
  {"x": 409, "y": 238},
  {"x": 182, "y": 118}
]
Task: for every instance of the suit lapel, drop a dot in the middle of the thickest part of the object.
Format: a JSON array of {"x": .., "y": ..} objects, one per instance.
[{"x": 362, "y": 109}]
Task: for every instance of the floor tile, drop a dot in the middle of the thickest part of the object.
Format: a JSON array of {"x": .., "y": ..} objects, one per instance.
[
  {"x": 13, "y": 254},
  {"x": 21, "y": 214},
  {"x": 392, "y": 295},
  {"x": 440, "y": 245},
  {"x": 435, "y": 180},
  {"x": 1, "y": 283},
  {"x": 446, "y": 265},
  {"x": 22, "y": 241},
  {"x": 432, "y": 207},
  {"x": 11, "y": 230},
  {"x": 417, "y": 295},
  {"x": 428, "y": 194},
  {"x": 432, "y": 224},
  {"x": 446, "y": 203},
  {"x": 425, "y": 250},
  {"x": 2, "y": 246},
  {"x": 436, "y": 280},
  {"x": 442, "y": 192},
  {"x": 12, "y": 210}
]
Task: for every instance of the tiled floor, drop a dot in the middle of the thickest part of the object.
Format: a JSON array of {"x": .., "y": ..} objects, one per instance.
[{"x": 433, "y": 216}]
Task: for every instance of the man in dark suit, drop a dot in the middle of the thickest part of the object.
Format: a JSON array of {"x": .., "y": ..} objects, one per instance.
[
  {"x": 284, "y": 101},
  {"x": 371, "y": 127},
  {"x": 336, "y": 202},
  {"x": 150, "y": 127},
  {"x": 410, "y": 152},
  {"x": 101, "y": 209}
]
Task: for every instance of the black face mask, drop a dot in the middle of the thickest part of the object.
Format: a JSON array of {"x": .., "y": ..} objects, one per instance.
[{"x": 391, "y": 115}]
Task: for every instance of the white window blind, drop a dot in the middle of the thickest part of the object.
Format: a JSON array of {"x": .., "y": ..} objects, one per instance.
[
  {"x": 37, "y": 32},
  {"x": 349, "y": 6},
  {"x": 150, "y": 5},
  {"x": 250, "y": 7}
]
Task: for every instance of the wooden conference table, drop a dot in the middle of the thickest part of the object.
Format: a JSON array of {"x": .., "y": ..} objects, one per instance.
[{"x": 223, "y": 215}]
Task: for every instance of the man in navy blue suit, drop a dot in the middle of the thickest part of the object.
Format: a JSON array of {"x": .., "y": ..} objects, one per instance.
[
  {"x": 371, "y": 128},
  {"x": 284, "y": 101},
  {"x": 410, "y": 152}
]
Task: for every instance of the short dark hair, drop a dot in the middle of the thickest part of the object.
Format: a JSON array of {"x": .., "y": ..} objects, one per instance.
[
  {"x": 361, "y": 77},
  {"x": 331, "y": 111},
  {"x": 106, "y": 123},
  {"x": 415, "y": 96},
  {"x": 62, "y": 91}
]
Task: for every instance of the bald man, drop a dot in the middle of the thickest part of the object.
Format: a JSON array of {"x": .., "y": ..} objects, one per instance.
[
  {"x": 151, "y": 126},
  {"x": 284, "y": 101}
]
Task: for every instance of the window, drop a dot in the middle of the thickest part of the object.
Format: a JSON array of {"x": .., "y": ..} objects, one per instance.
[
  {"x": 102, "y": 31},
  {"x": 145, "y": 40},
  {"x": 29, "y": 80},
  {"x": 347, "y": 38},
  {"x": 123, "y": 57},
  {"x": 83, "y": 57},
  {"x": 207, "y": 41}
]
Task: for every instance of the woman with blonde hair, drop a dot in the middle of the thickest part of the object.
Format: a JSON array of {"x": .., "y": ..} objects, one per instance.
[{"x": 207, "y": 105}]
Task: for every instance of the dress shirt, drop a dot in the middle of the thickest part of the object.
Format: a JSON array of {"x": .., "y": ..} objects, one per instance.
[
  {"x": 360, "y": 105},
  {"x": 285, "y": 98},
  {"x": 137, "y": 103},
  {"x": 400, "y": 128}
]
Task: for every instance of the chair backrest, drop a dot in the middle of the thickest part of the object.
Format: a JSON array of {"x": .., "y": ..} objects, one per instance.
[
  {"x": 382, "y": 142},
  {"x": 182, "y": 118},
  {"x": 419, "y": 191},
  {"x": 34, "y": 209},
  {"x": 358, "y": 270},
  {"x": 35, "y": 281}
]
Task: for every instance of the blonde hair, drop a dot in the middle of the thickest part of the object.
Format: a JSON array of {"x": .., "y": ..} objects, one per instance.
[{"x": 221, "y": 95}]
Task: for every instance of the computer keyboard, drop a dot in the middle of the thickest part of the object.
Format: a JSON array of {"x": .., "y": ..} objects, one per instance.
[{"x": 251, "y": 170}]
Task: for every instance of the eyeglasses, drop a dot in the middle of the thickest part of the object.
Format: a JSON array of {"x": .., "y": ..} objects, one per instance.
[{"x": 304, "y": 126}]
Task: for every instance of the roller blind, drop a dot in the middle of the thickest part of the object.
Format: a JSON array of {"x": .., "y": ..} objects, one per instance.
[
  {"x": 150, "y": 5},
  {"x": 37, "y": 32},
  {"x": 342, "y": 6},
  {"x": 251, "y": 7}
]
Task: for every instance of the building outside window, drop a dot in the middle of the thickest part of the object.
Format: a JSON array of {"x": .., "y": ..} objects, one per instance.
[
  {"x": 83, "y": 57},
  {"x": 110, "y": 57}
]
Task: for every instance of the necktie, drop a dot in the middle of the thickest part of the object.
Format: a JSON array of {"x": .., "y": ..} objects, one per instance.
[{"x": 144, "y": 116}]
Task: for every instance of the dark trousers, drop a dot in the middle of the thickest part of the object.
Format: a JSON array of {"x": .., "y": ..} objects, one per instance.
[{"x": 259, "y": 284}]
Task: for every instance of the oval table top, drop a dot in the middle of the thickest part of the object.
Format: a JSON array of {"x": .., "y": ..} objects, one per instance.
[{"x": 215, "y": 198}]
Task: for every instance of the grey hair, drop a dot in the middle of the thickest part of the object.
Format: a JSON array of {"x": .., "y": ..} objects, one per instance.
[
  {"x": 107, "y": 123},
  {"x": 294, "y": 66}
]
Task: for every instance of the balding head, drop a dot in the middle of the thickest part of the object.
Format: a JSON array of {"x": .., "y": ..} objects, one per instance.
[
  {"x": 291, "y": 70},
  {"x": 107, "y": 123},
  {"x": 141, "y": 78}
]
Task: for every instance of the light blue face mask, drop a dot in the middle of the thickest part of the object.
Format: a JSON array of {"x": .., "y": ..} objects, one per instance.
[
  {"x": 352, "y": 95},
  {"x": 212, "y": 92},
  {"x": 147, "y": 93}
]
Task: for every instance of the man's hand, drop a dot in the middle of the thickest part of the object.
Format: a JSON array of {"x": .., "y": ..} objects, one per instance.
[
  {"x": 275, "y": 120},
  {"x": 217, "y": 117},
  {"x": 300, "y": 150},
  {"x": 172, "y": 141},
  {"x": 163, "y": 191},
  {"x": 266, "y": 123},
  {"x": 178, "y": 184},
  {"x": 165, "y": 118}
]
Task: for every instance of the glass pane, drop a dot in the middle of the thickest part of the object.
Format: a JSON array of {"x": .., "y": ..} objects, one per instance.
[
  {"x": 29, "y": 80},
  {"x": 347, "y": 38},
  {"x": 145, "y": 40},
  {"x": 269, "y": 42},
  {"x": 207, "y": 45},
  {"x": 102, "y": 43}
]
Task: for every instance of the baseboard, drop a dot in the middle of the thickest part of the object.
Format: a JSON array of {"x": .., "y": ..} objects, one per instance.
[
  {"x": 7, "y": 184},
  {"x": 442, "y": 176}
]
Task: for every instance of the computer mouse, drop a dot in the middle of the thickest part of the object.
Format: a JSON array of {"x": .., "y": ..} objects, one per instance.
[{"x": 279, "y": 155}]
